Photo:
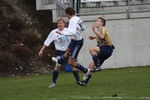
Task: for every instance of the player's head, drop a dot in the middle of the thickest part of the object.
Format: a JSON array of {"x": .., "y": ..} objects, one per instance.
[
  {"x": 61, "y": 24},
  {"x": 100, "y": 21},
  {"x": 69, "y": 12}
]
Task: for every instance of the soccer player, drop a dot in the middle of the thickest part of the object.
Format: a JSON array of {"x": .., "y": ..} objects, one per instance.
[
  {"x": 61, "y": 44},
  {"x": 75, "y": 29},
  {"x": 102, "y": 51}
]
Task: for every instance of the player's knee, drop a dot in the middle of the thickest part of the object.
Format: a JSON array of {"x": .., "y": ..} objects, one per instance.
[
  {"x": 56, "y": 68},
  {"x": 92, "y": 51},
  {"x": 72, "y": 63}
]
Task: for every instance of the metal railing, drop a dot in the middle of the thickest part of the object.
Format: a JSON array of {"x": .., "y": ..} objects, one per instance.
[
  {"x": 63, "y": 3},
  {"x": 93, "y": 7},
  {"x": 125, "y": 8}
]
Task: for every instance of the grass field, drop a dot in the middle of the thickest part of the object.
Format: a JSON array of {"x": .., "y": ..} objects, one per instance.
[{"x": 126, "y": 83}]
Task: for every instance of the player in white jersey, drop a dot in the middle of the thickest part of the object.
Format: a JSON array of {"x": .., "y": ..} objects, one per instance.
[
  {"x": 75, "y": 28},
  {"x": 61, "y": 44}
]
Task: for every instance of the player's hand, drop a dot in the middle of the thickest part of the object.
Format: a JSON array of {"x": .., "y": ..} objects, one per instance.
[
  {"x": 92, "y": 37},
  {"x": 93, "y": 27},
  {"x": 40, "y": 54}
]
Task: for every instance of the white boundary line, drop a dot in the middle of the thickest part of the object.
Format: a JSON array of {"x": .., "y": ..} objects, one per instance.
[
  {"x": 98, "y": 98},
  {"x": 88, "y": 97}
]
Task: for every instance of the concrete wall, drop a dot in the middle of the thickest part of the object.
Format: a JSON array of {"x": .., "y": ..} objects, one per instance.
[{"x": 131, "y": 38}]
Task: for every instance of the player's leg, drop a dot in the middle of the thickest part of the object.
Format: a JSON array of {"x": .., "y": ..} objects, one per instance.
[
  {"x": 76, "y": 75},
  {"x": 75, "y": 47},
  {"x": 54, "y": 76},
  {"x": 85, "y": 81},
  {"x": 61, "y": 58},
  {"x": 88, "y": 75},
  {"x": 103, "y": 53},
  {"x": 94, "y": 53},
  {"x": 91, "y": 66},
  {"x": 57, "y": 68},
  {"x": 66, "y": 54},
  {"x": 98, "y": 68},
  {"x": 75, "y": 64}
]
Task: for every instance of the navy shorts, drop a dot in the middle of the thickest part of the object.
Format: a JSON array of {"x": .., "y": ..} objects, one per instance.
[
  {"x": 59, "y": 54},
  {"x": 105, "y": 52},
  {"x": 75, "y": 46}
]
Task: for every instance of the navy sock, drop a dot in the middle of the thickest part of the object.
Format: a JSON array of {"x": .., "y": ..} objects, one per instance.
[
  {"x": 76, "y": 75},
  {"x": 96, "y": 60},
  {"x": 55, "y": 76},
  {"x": 87, "y": 80},
  {"x": 101, "y": 62},
  {"x": 83, "y": 69}
]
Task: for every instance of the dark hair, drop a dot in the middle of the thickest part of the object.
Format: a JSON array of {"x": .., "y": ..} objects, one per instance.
[
  {"x": 103, "y": 20},
  {"x": 70, "y": 11}
]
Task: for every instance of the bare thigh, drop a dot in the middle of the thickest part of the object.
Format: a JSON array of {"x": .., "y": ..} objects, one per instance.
[{"x": 94, "y": 50}]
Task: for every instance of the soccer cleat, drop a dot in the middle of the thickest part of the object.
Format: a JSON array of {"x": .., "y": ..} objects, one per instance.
[
  {"x": 80, "y": 83},
  {"x": 52, "y": 85},
  {"x": 85, "y": 82},
  {"x": 87, "y": 74},
  {"x": 56, "y": 61},
  {"x": 97, "y": 69}
]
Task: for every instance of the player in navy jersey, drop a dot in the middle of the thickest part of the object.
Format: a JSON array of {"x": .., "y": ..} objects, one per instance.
[{"x": 102, "y": 51}]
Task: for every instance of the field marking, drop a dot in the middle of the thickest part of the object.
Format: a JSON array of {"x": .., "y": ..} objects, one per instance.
[
  {"x": 88, "y": 97},
  {"x": 98, "y": 98}
]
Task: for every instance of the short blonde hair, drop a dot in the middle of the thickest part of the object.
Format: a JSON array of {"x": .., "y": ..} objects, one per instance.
[{"x": 61, "y": 20}]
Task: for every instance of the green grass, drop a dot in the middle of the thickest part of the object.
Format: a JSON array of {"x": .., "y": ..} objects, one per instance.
[{"x": 127, "y": 83}]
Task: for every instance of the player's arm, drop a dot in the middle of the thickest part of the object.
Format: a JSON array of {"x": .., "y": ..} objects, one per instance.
[
  {"x": 92, "y": 37},
  {"x": 100, "y": 33},
  {"x": 41, "y": 52},
  {"x": 67, "y": 33},
  {"x": 47, "y": 42}
]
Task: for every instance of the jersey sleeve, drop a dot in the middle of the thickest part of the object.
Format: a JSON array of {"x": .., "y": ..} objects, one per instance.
[
  {"x": 103, "y": 31},
  {"x": 71, "y": 30},
  {"x": 49, "y": 39}
]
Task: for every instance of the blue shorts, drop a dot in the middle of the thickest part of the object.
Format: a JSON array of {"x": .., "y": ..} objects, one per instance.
[
  {"x": 75, "y": 46},
  {"x": 105, "y": 52}
]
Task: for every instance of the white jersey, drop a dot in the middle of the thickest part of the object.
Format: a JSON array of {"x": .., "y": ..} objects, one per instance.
[
  {"x": 61, "y": 41},
  {"x": 75, "y": 28}
]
